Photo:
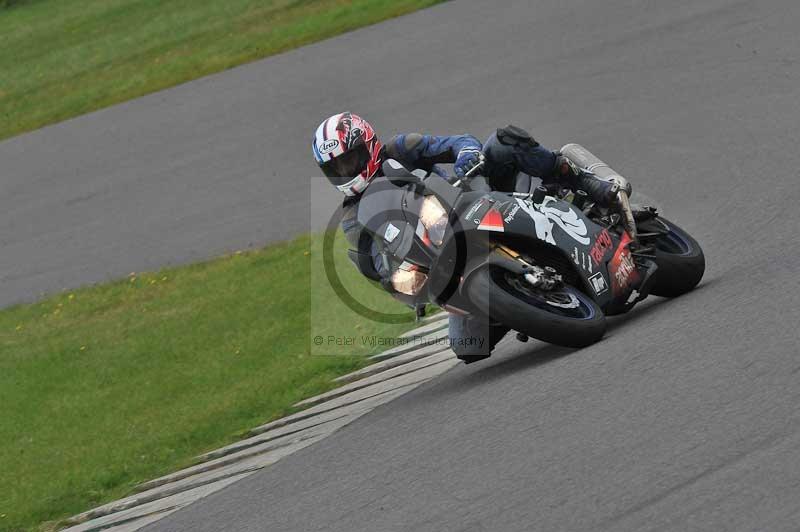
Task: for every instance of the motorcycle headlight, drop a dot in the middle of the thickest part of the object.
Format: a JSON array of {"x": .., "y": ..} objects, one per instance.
[
  {"x": 407, "y": 281},
  {"x": 434, "y": 218}
]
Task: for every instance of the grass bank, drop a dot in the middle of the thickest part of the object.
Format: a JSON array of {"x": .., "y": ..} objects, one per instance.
[
  {"x": 112, "y": 385},
  {"x": 63, "y": 58}
]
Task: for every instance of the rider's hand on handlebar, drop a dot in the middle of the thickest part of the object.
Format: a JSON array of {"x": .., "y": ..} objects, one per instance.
[{"x": 467, "y": 162}]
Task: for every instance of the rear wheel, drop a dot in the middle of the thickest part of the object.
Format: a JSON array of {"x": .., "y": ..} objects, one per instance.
[
  {"x": 680, "y": 261},
  {"x": 562, "y": 316}
]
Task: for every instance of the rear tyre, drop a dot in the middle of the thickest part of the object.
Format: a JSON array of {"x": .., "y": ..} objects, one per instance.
[
  {"x": 680, "y": 261},
  {"x": 564, "y": 316}
]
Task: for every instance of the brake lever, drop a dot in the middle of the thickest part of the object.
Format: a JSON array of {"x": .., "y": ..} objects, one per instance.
[{"x": 475, "y": 170}]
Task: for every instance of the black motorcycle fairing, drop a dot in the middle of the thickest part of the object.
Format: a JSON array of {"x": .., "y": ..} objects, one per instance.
[
  {"x": 395, "y": 170},
  {"x": 492, "y": 239},
  {"x": 565, "y": 239},
  {"x": 460, "y": 245},
  {"x": 447, "y": 194},
  {"x": 553, "y": 233},
  {"x": 381, "y": 201},
  {"x": 389, "y": 212}
]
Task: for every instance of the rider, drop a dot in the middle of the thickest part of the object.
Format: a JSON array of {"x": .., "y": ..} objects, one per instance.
[{"x": 350, "y": 155}]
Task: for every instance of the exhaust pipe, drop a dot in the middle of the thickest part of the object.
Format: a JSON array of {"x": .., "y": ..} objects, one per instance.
[{"x": 583, "y": 158}]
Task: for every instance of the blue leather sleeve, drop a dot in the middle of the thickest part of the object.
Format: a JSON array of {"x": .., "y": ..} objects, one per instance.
[{"x": 428, "y": 150}]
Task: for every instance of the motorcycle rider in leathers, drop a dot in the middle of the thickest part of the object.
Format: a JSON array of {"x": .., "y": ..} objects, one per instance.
[{"x": 350, "y": 155}]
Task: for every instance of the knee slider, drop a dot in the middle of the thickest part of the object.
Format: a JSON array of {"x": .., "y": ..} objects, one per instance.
[
  {"x": 501, "y": 160},
  {"x": 516, "y": 136}
]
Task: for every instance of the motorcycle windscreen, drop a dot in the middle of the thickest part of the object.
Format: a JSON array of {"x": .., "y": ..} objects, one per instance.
[{"x": 382, "y": 201}]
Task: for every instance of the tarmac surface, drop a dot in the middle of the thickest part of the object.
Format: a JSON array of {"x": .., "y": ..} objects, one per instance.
[{"x": 684, "y": 418}]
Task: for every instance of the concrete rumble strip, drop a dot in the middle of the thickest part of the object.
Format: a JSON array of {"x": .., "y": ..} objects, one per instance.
[{"x": 395, "y": 373}]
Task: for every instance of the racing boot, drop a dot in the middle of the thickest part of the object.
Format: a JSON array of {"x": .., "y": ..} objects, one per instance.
[{"x": 604, "y": 193}]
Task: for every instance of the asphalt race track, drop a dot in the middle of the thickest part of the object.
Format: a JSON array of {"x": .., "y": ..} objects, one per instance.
[{"x": 684, "y": 418}]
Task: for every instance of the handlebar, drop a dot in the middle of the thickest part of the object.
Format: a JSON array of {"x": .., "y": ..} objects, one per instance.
[{"x": 475, "y": 170}]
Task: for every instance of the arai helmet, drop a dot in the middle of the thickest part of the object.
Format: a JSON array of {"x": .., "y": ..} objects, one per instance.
[{"x": 348, "y": 152}]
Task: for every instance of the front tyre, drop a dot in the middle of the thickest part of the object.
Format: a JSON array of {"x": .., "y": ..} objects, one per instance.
[
  {"x": 563, "y": 316},
  {"x": 680, "y": 261}
]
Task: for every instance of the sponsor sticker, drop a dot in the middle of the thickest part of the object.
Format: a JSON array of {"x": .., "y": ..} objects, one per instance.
[
  {"x": 581, "y": 258},
  {"x": 391, "y": 233},
  {"x": 492, "y": 221},
  {"x": 624, "y": 270},
  {"x": 601, "y": 247},
  {"x": 474, "y": 210},
  {"x": 598, "y": 283},
  {"x": 513, "y": 212},
  {"x": 328, "y": 146}
]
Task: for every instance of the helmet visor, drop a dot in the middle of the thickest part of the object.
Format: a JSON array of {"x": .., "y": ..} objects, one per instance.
[{"x": 344, "y": 168}]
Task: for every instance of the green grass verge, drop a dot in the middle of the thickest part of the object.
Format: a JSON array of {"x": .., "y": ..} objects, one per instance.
[
  {"x": 62, "y": 58},
  {"x": 108, "y": 386}
]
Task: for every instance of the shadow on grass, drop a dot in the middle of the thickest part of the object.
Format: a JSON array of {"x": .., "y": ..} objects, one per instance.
[{"x": 7, "y": 4}]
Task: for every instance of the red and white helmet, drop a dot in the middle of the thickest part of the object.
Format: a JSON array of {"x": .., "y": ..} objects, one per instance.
[{"x": 348, "y": 152}]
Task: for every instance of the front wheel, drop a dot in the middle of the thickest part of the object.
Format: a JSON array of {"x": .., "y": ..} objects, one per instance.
[
  {"x": 680, "y": 261},
  {"x": 563, "y": 316}
]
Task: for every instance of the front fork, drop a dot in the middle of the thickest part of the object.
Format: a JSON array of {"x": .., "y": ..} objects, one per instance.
[{"x": 544, "y": 278}]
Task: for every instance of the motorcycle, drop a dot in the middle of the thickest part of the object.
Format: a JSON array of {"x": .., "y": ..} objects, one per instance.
[{"x": 548, "y": 263}]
